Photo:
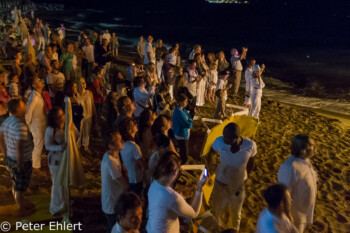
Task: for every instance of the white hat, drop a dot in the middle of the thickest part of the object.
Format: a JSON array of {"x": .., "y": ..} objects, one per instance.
[{"x": 256, "y": 67}]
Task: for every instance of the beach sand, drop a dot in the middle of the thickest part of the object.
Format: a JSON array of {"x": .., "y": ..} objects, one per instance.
[{"x": 278, "y": 124}]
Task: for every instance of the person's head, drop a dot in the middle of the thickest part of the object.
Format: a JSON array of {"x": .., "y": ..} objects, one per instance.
[
  {"x": 128, "y": 129},
  {"x": 231, "y": 133},
  {"x": 62, "y": 25},
  {"x": 182, "y": 100},
  {"x": 114, "y": 141},
  {"x": 197, "y": 48},
  {"x": 150, "y": 39},
  {"x": 98, "y": 70},
  {"x": 161, "y": 125},
  {"x": 146, "y": 120},
  {"x": 56, "y": 118},
  {"x": 211, "y": 57},
  {"x": 303, "y": 146},
  {"x": 159, "y": 43},
  {"x": 14, "y": 79},
  {"x": 161, "y": 141},
  {"x": 151, "y": 67},
  {"x": 167, "y": 167},
  {"x": 76, "y": 45},
  {"x": 120, "y": 75},
  {"x": 278, "y": 197},
  {"x": 17, "y": 107},
  {"x": 192, "y": 64},
  {"x": 139, "y": 82},
  {"x": 125, "y": 106},
  {"x": 107, "y": 31},
  {"x": 251, "y": 63},
  {"x": 70, "y": 48},
  {"x": 105, "y": 42},
  {"x": 55, "y": 64},
  {"x": 164, "y": 89},
  {"x": 177, "y": 46},
  {"x": 221, "y": 55},
  {"x": 82, "y": 84},
  {"x": 129, "y": 211},
  {"x": 141, "y": 38},
  {"x": 18, "y": 55},
  {"x": 198, "y": 57},
  {"x": 213, "y": 66},
  {"x": 112, "y": 98},
  {"x": 87, "y": 42},
  {"x": 256, "y": 71},
  {"x": 70, "y": 88},
  {"x": 37, "y": 84},
  {"x": 113, "y": 34},
  {"x": 234, "y": 52},
  {"x": 48, "y": 51}
]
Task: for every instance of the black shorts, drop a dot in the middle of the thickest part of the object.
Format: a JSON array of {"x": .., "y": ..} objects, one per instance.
[{"x": 20, "y": 180}]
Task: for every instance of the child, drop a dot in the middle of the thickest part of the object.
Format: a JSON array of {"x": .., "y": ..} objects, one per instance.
[
  {"x": 221, "y": 94},
  {"x": 13, "y": 90},
  {"x": 113, "y": 178},
  {"x": 257, "y": 86},
  {"x": 213, "y": 79}
]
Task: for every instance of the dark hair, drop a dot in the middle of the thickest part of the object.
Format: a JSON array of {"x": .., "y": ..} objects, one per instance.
[
  {"x": 159, "y": 123},
  {"x": 68, "y": 88},
  {"x": 167, "y": 165},
  {"x": 163, "y": 88},
  {"x": 97, "y": 69},
  {"x": 127, "y": 201},
  {"x": 52, "y": 62},
  {"x": 181, "y": 97},
  {"x": 124, "y": 129},
  {"x": 161, "y": 140},
  {"x": 230, "y": 130},
  {"x": 274, "y": 195},
  {"x": 143, "y": 123},
  {"x": 52, "y": 117},
  {"x": 191, "y": 62},
  {"x": 13, "y": 104},
  {"x": 121, "y": 104},
  {"x": 137, "y": 81},
  {"x": 109, "y": 136},
  {"x": 299, "y": 143}
]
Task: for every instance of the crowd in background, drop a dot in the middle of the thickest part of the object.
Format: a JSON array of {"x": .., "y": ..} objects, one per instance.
[{"x": 144, "y": 114}]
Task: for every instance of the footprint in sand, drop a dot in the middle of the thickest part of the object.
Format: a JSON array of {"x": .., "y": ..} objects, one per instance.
[
  {"x": 319, "y": 226},
  {"x": 337, "y": 187},
  {"x": 341, "y": 218}
]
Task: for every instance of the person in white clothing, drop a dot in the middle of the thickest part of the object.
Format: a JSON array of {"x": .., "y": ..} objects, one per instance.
[
  {"x": 248, "y": 75},
  {"x": 113, "y": 181},
  {"x": 300, "y": 177},
  {"x": 36, "y": 120},
  {"x": 149, "y": 52},
  {"x": 192, "y": 78},
  {"x": 107, "y": 36},
  {"x": 236, "y": 161},
  {"x": 276, "y": 218},
  {"x": 89, "y": 55},
  {"x": 142, "y": 97},
  {"x": 55, "y": 80},
  {"x": 196, "y": 49},
  {"x": 131, "y": 155},
  {"x": 87, "y": 101},
  {"x": 257, "y": 84},
  {"x": 55, "y": 144},
  {"x": 141, "y": 48},
  {"x": 129, "y": 214},
  {"x": 165, "y": 204}
]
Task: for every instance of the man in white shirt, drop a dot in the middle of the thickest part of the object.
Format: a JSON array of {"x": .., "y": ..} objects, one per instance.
[
  {"x": 248, "y": 75},
  {"x": 141, "y": 48},
  {"x": 88, "y": 50},
  {"x": 113, "y": 183},
  {"x": 142, "y": 97},
  {"x": 36, "y": 120},
  {"x": 149, "y": 52},
  {"x": 191, "y": 78},
  {"x": 299, "y": 176},
  {"x": 129, "y": 209},
  {"x": 237, "y": 67},
  {"x": 107, "y": 36},
  {"x": 276, "y": 218},
  {"x": 236, "y": 161},
  {"x": 55, "y": 80}
]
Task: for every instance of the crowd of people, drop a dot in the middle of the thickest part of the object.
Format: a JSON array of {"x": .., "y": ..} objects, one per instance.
[{"x": 144, "y": 114}]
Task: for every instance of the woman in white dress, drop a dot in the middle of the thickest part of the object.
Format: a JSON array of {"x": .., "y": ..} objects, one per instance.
[
  {"x": 257, "y": 86},
  {"x": 86, "y": 99}
]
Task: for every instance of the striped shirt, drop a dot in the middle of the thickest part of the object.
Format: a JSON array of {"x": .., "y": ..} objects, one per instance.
[{"x": 15, "y": 129}]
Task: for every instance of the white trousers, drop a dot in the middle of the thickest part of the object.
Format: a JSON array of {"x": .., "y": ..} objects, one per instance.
[
  {"x": 38, "y": 133},
  {"x": 59, "y": 197},
  {"x": 159, "y": 65},
  {"x": 227, "y": 205},
  {"x": 41, "y": 45},
  {"x": 85, "y": 130},
  {"x": 256, "y": 106},
  {"x": 107, "y": 69},
  {"x": 171, "y": 91}
]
